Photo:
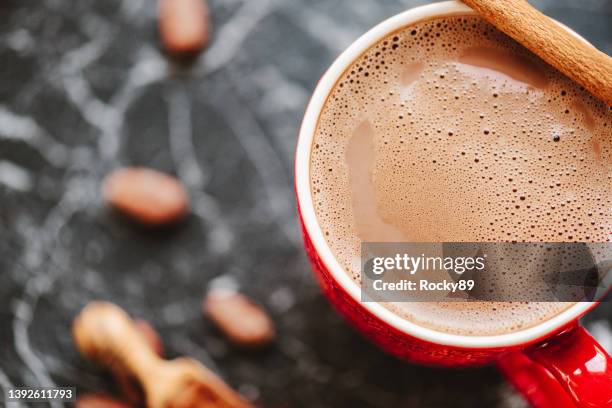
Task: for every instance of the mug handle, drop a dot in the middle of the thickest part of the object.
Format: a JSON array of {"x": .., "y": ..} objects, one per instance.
[{"x": 567, "y": 370}]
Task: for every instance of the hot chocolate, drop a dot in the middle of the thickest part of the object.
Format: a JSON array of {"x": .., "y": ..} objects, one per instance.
[{"x": 446, "y": 131}]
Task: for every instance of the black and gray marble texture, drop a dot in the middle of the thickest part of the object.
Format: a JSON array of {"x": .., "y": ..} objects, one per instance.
[{"x": 84, "y": 89}]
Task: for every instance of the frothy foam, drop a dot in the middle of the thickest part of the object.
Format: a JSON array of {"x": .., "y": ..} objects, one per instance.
[{"x": 450, "y": 131}]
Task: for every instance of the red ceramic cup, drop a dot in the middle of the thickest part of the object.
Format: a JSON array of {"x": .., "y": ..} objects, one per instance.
[{"x": 555, "y": 364}]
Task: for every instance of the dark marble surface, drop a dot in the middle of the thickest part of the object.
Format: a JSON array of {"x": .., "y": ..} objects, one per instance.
[{"x": 84, "y": 89}]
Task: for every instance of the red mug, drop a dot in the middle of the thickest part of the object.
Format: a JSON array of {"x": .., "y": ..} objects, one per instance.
[{"x": 555, "y": 364}]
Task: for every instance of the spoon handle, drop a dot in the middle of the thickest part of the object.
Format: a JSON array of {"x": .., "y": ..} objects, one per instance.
[
  {"x": 104, "y": 332},
  {"x": 575, "y": 58}
]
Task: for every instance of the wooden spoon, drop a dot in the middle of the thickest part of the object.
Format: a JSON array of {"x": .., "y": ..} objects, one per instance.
[
  {"x": 104, "y": 332},
  {"x": 575, "y": 58}
]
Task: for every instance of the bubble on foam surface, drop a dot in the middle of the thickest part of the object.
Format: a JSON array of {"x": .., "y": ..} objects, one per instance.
[{"x": 463, "y": 149}]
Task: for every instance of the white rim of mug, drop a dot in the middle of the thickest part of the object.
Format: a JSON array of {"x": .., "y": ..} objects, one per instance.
[{"x": 302, "y": 180}]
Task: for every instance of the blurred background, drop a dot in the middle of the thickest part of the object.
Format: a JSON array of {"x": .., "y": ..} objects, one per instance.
[{"x": 85, "y": 89}]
